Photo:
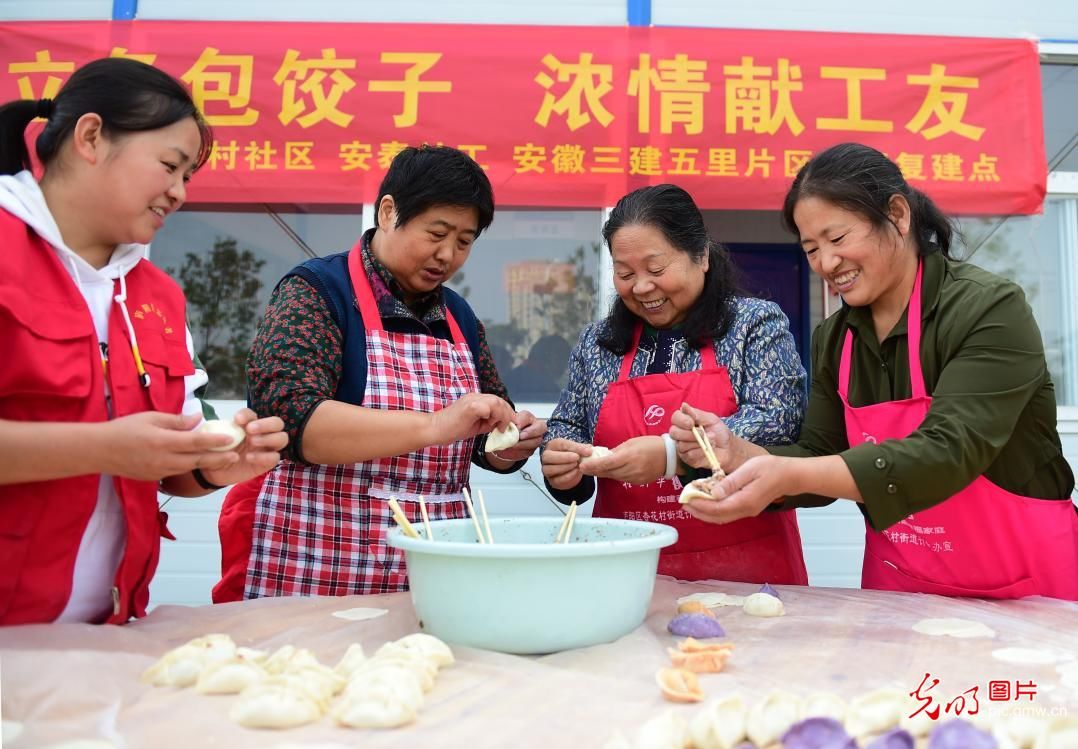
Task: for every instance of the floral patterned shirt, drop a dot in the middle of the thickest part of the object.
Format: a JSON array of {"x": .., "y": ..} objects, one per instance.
[
  {"x": 296, "y": 358},
  {"x": 760, "y": 357}
]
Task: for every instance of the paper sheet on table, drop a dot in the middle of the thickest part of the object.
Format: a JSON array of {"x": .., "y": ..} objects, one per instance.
[{"x": 81, "y": 681}]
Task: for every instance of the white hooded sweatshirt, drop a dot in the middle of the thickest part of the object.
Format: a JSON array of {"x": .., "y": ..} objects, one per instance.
[{"x": 103, "y": 541}]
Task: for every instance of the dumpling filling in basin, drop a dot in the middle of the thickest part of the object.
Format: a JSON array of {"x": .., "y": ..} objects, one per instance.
[{"x": 526, "y": 594}]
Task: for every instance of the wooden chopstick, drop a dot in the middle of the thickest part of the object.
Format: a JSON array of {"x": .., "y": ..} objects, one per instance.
[
  {"x": 483, "y": 512},
  {"x": 566, "y": 524},
  {"x": 401, "y": 519},
  {"x": 426, "y": 519},
  {"x": 471, "y": 513},
  {"x": 705, "y": 445},
  {"x": 569, "y": 525}
]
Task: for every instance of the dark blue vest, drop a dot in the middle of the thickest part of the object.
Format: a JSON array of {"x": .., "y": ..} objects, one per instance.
[{"x": 329, "y": 276}]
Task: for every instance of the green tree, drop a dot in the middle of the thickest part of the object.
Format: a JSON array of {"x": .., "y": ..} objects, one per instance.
[{"x": 222, "y": 290}]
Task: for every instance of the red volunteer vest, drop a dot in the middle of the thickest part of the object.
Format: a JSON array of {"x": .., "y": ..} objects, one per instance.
[{"x": 52, "y": 372}]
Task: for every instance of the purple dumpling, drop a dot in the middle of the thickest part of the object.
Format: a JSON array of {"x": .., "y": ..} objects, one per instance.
[
  {"x": 896, "y": 739},
  {"x": 770, "y": 591},
  {"x": 958, "y": 734},
  {"x": 817, "y": 733},
  {"x": 695, "y": 625}
]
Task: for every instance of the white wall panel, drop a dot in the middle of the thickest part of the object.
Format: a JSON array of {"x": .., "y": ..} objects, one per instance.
[
  {"x": 1047, "y": 19},
  {"x": 573, "y": 12},
  {"x": 55, "y": 10}
]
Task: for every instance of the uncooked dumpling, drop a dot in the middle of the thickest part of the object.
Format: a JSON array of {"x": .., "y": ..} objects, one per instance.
[
  {"x": 316, "y": 678},
  {"x": 227, "y": 428},
  {"x": 824, "y": 705},
  {"x": 770, "y": 718},
  {"x": 351, "y": 661},
  {"x": 229, "y": 677},
  {"x": 1017, "y": 730},
  {"x": 1060, "y": 733},
  {"x": 875, "y": 712},
  {"x": 598, "y": 452},
  {"x": 376, "y": 711},
  {"x": 393, "y": 679},
  {"x": 383, "y": 697},
  {"x": 699, "y": 489},
  {"x": 502, "y": 439},
  {"x": 428, "y": 646},
  {"x": 276, "y": 703},
  {"x": 666, "y": 731},
  {"x": 424, "y": 670},
  {"x": 720, "y": 724},
  {"x": 762, "y": 604},
  {"x": 181, "y": 666},
  {"x": 289, "y": 656}
]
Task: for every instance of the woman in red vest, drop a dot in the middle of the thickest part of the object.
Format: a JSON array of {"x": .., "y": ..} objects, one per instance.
[
  {"x": 97, "y": 410},
  {"x": 932, "y": 406},
  {"x": 677, "y": 332}
]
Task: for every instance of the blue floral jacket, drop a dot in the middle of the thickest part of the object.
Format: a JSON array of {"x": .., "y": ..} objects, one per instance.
[{"x": 758, "y": 352}]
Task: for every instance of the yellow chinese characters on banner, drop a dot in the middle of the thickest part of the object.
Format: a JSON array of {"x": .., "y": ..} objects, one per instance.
[{"x": 574, "y": 116}]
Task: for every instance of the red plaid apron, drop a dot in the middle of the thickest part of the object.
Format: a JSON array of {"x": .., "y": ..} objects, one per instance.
[{"x": 320, "y": 530}]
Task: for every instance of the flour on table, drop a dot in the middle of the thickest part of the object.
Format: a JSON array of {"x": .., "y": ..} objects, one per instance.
[{"x": 953, "y": 628}]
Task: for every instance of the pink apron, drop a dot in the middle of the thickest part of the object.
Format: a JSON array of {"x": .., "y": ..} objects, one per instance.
[
  {"x": 762, "y": 549},
  {"x": 984, "y": 541},
  {"x": 320, "y": 530}
]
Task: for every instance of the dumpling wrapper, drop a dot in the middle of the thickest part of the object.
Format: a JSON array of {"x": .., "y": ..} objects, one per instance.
[
  {"x": 227, "y": 428},
  {"x": 598, "y": 452},
  {"x": 763, "y": 604},
  {"x": 503, "y": 439},
  {"x": 359, "y": 614}
]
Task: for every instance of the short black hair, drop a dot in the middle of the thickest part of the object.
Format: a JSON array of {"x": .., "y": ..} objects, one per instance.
[
  {"x": 860, "y": 179},
  {"x": 671, "y": 210},
  {"x": 129, "y": 96},
  {"x": 421, "y": 178}
]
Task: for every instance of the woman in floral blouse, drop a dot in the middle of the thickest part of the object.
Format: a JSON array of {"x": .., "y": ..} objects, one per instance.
[{"x": 678, "y": 332}]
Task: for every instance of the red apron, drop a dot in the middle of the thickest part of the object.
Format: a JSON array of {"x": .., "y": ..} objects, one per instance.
[
  {"x": 766, "y": 548},
  {"x": 320, "y": 530},
  {"x": 983, "y": 541}
]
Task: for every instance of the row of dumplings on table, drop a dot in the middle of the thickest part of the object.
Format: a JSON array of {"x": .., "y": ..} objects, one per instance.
[
  {"x": 289, "y": 687},
  {"x": 882, "y": 719}
]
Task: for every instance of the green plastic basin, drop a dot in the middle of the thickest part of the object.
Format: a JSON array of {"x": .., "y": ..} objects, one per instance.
[{"x": 526, "y": 594}]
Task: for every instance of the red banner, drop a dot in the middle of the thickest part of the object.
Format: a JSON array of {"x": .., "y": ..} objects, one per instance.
[{"x": 575, "y": 116}]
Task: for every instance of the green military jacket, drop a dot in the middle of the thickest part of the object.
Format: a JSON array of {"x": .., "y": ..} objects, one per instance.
[{"x": 993, "y": 403}]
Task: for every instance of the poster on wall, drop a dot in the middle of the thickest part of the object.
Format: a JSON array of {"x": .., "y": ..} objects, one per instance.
[{"x": 574, "y": 116}]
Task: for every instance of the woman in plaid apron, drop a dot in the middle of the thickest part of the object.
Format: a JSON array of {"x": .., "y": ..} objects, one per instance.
[{"x": 386, "y": 383}]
